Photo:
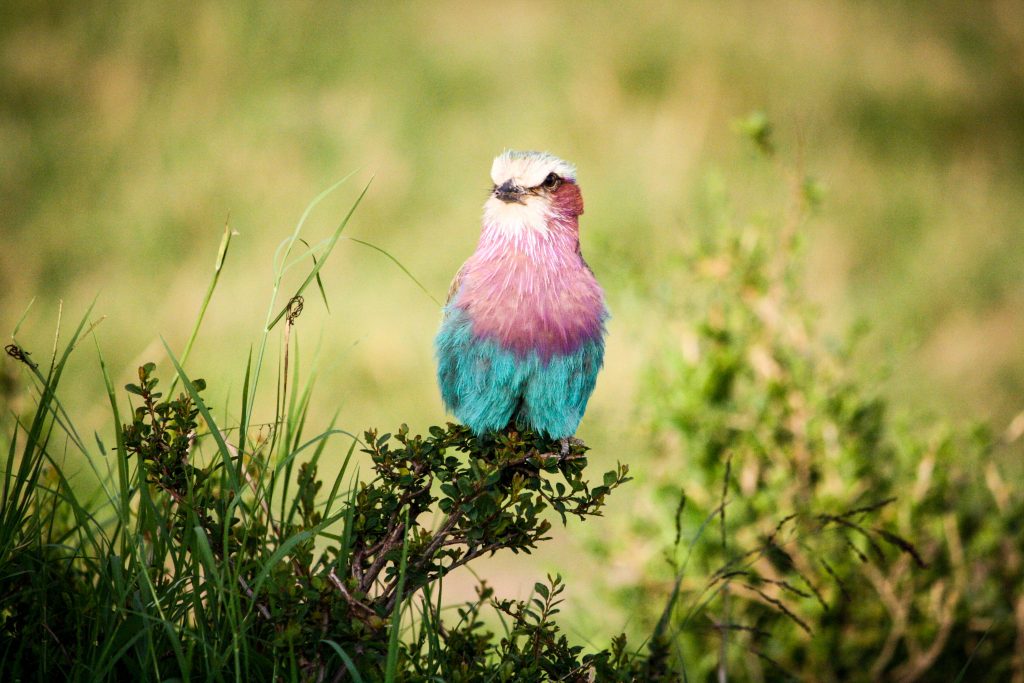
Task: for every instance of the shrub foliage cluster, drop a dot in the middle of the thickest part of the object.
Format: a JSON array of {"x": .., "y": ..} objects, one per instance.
[
  {"x": 215, "y": 569},
  {"x": 812, "y": 535}
]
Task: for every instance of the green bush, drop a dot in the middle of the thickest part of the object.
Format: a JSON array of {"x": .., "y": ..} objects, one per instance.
[
  {"x": 810, "y": 533},
  {"x": 213, "y": 572}
]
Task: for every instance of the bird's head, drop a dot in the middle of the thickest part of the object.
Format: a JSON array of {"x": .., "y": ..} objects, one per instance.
[{"x": 532, "y": 190}]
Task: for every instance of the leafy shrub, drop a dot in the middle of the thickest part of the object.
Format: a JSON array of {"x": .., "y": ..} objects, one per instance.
[
  {"x": 815, "y": 536},
  {"x": 214, "y": 569}
]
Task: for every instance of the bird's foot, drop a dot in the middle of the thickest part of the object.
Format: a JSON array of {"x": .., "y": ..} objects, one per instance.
[{"x": 567, "y": 443}]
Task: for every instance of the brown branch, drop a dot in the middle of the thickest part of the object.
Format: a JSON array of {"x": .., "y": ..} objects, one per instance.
[
  {"x": 351, "y": 599},
  {"x": 391, "y": 590},
  {"x": 897, "y": 607},
  {"x": 779, "y": 605},
  {"x": 252, "y": 596},
  {"x": 378, "y": 564}
]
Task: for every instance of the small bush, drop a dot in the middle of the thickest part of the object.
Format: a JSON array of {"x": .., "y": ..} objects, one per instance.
[
  {"x": 214, "y": 569},
  {"x": 809, "y": 533}
]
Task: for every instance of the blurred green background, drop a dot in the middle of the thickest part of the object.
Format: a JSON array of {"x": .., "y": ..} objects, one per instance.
[{"x": 130, "y": 130}]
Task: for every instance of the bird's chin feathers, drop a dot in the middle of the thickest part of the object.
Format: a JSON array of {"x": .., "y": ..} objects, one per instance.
[{"x": 530, "y": 217}]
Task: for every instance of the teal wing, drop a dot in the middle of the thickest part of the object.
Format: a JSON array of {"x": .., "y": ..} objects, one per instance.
[{"x": 453, "y": 288}]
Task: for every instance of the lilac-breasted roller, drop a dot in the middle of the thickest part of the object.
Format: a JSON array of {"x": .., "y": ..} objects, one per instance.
[{"x": 522, "y": 336}]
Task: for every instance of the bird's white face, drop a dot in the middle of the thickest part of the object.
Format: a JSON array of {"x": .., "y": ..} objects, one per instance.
[{"x": 524, "y": 182}]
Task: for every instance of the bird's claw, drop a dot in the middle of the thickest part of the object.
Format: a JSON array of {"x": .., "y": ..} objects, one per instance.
[{"x": 567, "y": 443}]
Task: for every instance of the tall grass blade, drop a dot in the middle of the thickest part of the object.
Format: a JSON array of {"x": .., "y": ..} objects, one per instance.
[
  {"x": 222, "y": 252},
  {"x": 280, "y": 554},
  {"x": 17, "y": 326},
  {"x": 323, "y": 258},
  {"x": 399, "y": 264},
  {"x": 396, "y": 615},
  {"x": 349, "y": 664},
  {"x": 319, "y": 282}
]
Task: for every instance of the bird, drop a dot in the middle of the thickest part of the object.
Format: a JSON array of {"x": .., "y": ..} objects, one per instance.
[{"x": 522, "y": 335}]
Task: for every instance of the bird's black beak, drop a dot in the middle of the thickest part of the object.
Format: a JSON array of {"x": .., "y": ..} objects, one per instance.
[{"x": 508, "y": 192}]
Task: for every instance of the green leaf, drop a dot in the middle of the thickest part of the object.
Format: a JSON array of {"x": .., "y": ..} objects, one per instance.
[
  {"x": 349, "y": 664},
  {"x": 279, "y": 555}
]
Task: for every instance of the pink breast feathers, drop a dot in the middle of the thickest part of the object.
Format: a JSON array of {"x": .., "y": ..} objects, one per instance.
[{"x": 533, "y": 295}]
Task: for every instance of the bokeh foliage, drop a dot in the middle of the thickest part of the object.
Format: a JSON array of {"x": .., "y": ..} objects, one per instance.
[{"x": 809, "y": 531}]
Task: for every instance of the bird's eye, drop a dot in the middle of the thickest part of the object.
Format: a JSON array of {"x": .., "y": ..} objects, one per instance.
[{"x": 551, "y": 182}]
